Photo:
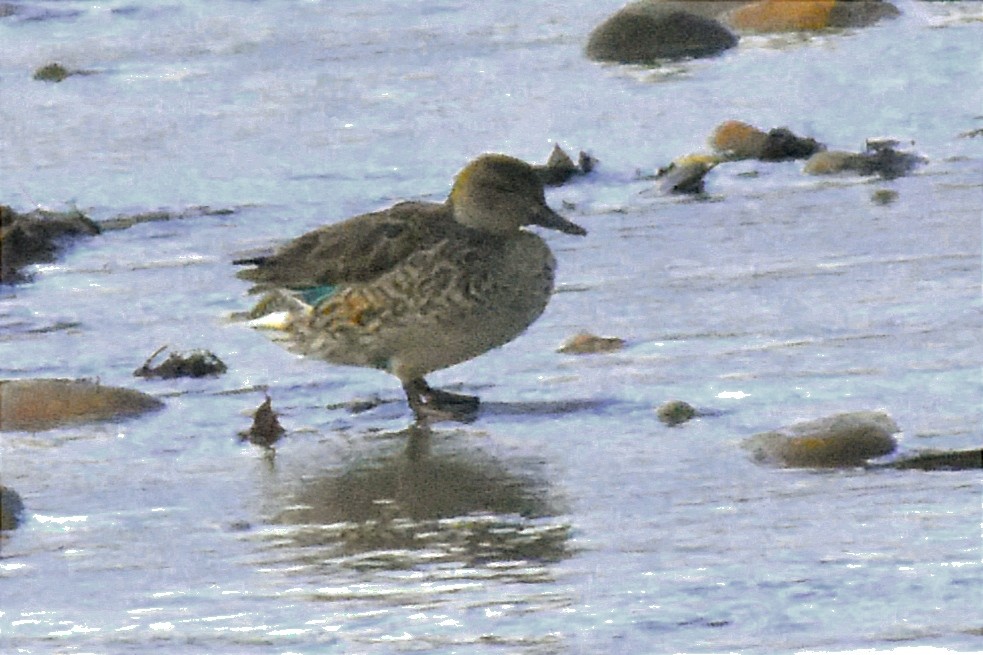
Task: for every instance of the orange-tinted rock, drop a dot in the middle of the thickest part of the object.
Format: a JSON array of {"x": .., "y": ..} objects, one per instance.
[
  {"x": 782, "y": 16},
  {"x": 41, "y": 404},
  {"x": 738, "y": 140},
  {"x": 807, "y": 15}
]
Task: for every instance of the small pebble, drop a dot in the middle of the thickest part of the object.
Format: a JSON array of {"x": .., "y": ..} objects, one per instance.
[{"x": 884, "y": 196}]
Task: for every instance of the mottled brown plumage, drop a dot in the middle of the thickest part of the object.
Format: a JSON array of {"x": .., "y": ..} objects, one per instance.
[{"x": 420, "y": 286}]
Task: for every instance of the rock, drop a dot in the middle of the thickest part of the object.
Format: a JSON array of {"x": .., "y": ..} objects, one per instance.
[
  {"x": 11, "y": 508},
  {"x": 807, "y": 15},
  {"x": 7, "y": 9},
  {"x": 585, "y": 343},
  {"x": 883, "y": 196},
  {"x": 675, "y": 412},
  {"x": 860, "y": 13},
  {"x": 738, "y": 140},
  {"x": 266, "y": 429},
  {"x": 647, "y": 31},
  {"x": 841, "y": 440},
  {"x": 124, "y": 221},
  {"x": 782, "y": 145},
  {"x": 36, "y": 237},
  {"x": 880, "y": 158},
  {"x": 53, "y": 72},
  {"x": 559, "y": 168},
  {"x": 830, "y": 162},
  {"x": 685, "y": 175},
  {"x": 196, "y": 364},
  {"x": 959, "y": 460},
  {"x": 41, "y": 404}
]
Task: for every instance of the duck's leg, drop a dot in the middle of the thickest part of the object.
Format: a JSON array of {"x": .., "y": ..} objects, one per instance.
[{"x": 430, "y": 404}]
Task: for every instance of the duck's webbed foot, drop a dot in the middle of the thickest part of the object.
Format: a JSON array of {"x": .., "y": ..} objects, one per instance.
[{"x": 430, "y": 404}]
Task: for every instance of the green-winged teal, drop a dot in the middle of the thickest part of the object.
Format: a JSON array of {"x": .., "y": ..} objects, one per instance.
[{"x": 420, "y": 286}]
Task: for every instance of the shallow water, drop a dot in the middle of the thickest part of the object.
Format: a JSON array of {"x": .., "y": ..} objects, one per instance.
[{"x": 567, "y": 518}]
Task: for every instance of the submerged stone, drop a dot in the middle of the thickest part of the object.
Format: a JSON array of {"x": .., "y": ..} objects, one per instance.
[
  {"x": 958, "y": 460},
  {"x": 881, "y": 157},
  {"x": 41, "y": 404},
  {"x": 884, "y": 196},
  {"x": 53, "y": 72},
  {"x": 645, "y": 32},
  {"x": 831, "y": 162},
  {"x": 124, "y": 221},
  {"x": 585, "y": 343},
  {"x": 841, "y": 440},
  {"x": 675, "y": 412},
  {"x": 11, "y": 508}
]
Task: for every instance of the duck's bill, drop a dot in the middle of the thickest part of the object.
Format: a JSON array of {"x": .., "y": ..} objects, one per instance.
[{"x": 546, "y": 217}]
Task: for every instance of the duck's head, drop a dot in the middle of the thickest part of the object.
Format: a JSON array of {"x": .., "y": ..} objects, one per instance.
[{"x": 500, "y": 194}]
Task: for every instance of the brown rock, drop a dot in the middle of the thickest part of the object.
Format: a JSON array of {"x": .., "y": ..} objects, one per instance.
[
  {"x": 585, "y": 343},
  {"x": 738, "y": 140},
  {"x": 266, "y": 429},
  {"x": 41, "y": 404},
  {"x": 831, "y": 162}
]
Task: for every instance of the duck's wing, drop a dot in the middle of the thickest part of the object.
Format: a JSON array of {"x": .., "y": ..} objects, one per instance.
[{"x": 355, "y": 250}]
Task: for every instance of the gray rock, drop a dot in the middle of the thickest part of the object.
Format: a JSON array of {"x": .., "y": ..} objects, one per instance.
[
  {"x": 644, "y": 32},
  {"x": 841, "y": 440}
]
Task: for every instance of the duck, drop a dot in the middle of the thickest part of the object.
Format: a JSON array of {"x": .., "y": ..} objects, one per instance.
[{"x": 420, "y": 286}]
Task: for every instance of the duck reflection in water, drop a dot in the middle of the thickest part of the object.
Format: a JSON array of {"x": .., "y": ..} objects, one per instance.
[{"x": 430, "y": 503}]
